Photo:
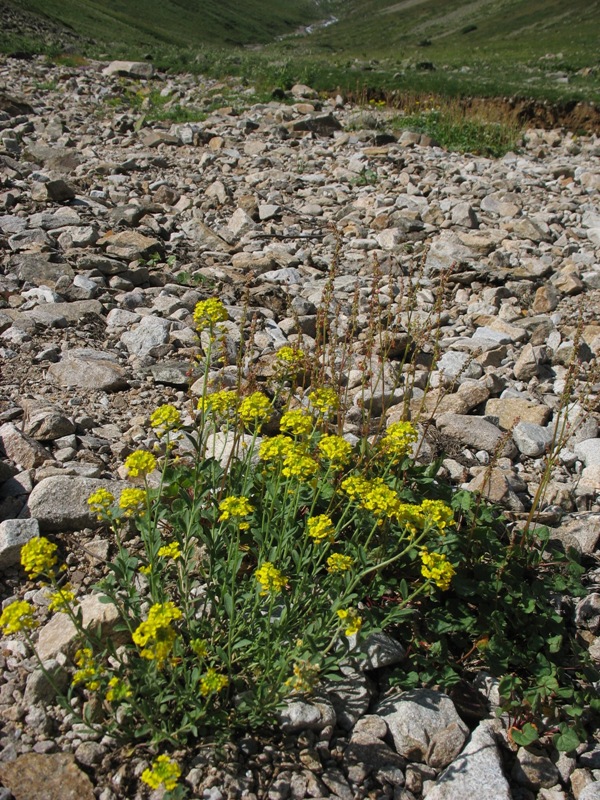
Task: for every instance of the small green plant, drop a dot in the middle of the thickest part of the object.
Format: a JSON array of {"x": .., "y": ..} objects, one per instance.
[{"x": 366, "y": 177}]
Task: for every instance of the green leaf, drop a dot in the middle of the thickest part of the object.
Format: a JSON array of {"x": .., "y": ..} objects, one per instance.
[
  {"x": 567, "y": 740},
  {"x": 228, "y": 603},
  {"x": 242, "y": 643},
  {"x": 526, "y": 736}
]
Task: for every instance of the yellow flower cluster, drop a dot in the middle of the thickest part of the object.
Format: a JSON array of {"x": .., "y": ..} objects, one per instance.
[
  {"x": 140, "y": 463},
  {"x": 18, "y": 616},
  {"x": 212, "y": 682},
  {"x": 164, "y": 770},
  {"x": 351, "y": 619},
  {"x": 355, "y": 486},
  {"x": 437, "y": 513},
  {"x": 165, "y": 418},
  {"x": 199, "y": 647},
  {"x": 398, "y": 440},
  {"x": 38, "y": 556},
  {"x": 207, "y": 313},
  {"x": 61, "y": 599},
  {"x": 220, "y": 404},
  {"x": 171, "y": 550},
  {"x": 117, "y": 690},
  {"x": 100, "y": 501},
  {"x": 298, "y": 465},
  {"x": 335, "y": 450},
  {"x": 88, "y": 672},
  {"x": 296, "y": 422},
  {"x": 255, "y": 409},
  {"x": 275, "y": 448},
  {"x": 339, "y": 563},
  {"x": 290, "y": 358},
  {"x": 437, "y": 568},
  {"x": 131, "y": 500},
  {"x": 321, "y": 528},
  {"x": 411, "y": 517},
  {"x": 270, "y": 578},
  {"x": 235, "y": 507},
  {"x": 324, "y": 400},
  {"x": 304, "y": 678},
  {"x": 380, "y": 499},
  {"x": 155, "y": 636}
]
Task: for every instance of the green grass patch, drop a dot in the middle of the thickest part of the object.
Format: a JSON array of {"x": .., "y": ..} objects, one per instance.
[{"x": 455, "y": 131}]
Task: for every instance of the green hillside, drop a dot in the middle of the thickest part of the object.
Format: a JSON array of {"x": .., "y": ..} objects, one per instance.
[
  {"x": 455, "y": 29},
  {"x": 139, "y": 23},
  {"x": 544, "y": 49}
]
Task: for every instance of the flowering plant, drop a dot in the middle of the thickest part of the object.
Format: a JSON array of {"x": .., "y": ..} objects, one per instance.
[{"x": 260, "y": 568}]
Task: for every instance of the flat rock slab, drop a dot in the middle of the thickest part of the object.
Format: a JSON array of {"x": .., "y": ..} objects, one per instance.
[
  {"x": 129, "y": 69},
  {"x": 59, "y": 503},
  {"x": 88, "y": 372},
  {"x": 39, "y": 270},
  {"x": 475, "y": 432},
  {"x": 20, "y": 448},
  {"x": 33, "y": 776},
  {"x": 581, "y": 531},
  {"x": 477, "y": 769},
  {"x": 14, "y": 533},
  {"x": 415, "y": 718}
]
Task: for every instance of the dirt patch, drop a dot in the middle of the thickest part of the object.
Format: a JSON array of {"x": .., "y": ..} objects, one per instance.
[
  {"x": 573, "y": 116},
  {"x": 576, "y": 116}
]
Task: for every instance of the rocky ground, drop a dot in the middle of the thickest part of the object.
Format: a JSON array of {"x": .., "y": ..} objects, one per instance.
[{"x": 113, "y": 228}]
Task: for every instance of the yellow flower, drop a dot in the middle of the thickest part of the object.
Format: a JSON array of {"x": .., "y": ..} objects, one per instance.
[
  {"x": 296, "y": 422},
  {"x": 380, "y": 499},
  {"x": 351, "y": 619},
  {"x": 117, "y": 690},
  {"x": 220, "y": 404},
  {"x": 321, "y": 528},
  {"x": 164, "y": 770},
  {"x": 100, "y": 501},
  {"x": 299, "y": 465},
  {"x": 437, "y": 568},
  {"x": 305, "y": 676},
  {"x": 255, "y": 409},
  {"x": 18, "y": 616},
  {"x": 131, "y": 500},
  {"x": 270, "y": 578},
  {"x": 208, "y": 313},
  {"x": 38, "y": 556},
  {"x": 437, "y": 513},
  {"x": 398, "y": 440},
  {"x": 212, "y": 681},
  {"x": 61, "y": 600},
  {"x": 290, "y": 359},
  {"x": 355, "y": 486},
  {"x": 324, "y": 400},
  {"x": 277, "y": 447},
  {"x": 165, "y": 418},
  {"x": 155, "y": 636},
  {"x": 410, "y": 516},
  {"x": 233, "y": 507},
  {"x": 88, "y": 672},
  {"x": 335, "y": 450},
  {"x": 200, "y": 647},
  {"x": 339, "y": 563},
  {"x": 171, "y": 550},
  {"x": 140, "y": 463}
]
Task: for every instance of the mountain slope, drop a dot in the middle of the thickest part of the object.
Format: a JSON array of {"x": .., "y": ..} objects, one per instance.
[
  {"x": 464, "y": 28},
  {"x": 174, "y": 22}
]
